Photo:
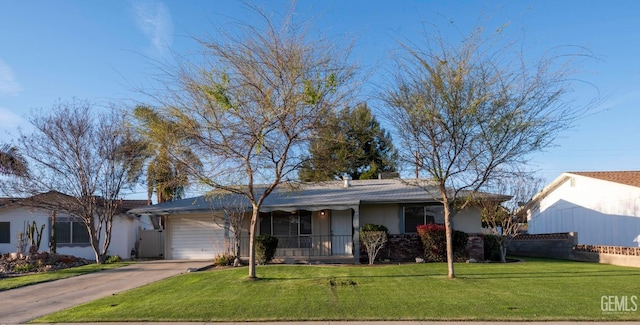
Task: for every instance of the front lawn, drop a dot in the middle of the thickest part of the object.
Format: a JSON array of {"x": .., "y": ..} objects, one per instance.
[
  {"x": 25, "y": 280},
  {"x": 532, "y": 290}
]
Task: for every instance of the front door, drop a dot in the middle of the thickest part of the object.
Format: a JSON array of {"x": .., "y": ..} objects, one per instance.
[{"x": 341, "y": 232}]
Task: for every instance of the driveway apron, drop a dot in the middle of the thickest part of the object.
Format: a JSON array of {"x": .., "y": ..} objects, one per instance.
[{"x": 24, "y": 304}]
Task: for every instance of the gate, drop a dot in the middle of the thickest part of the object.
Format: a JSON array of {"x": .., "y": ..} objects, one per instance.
[{"x": 151, "y": 243}]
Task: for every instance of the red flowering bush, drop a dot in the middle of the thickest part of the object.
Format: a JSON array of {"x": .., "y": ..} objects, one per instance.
[{"x": 434, "y": 241}]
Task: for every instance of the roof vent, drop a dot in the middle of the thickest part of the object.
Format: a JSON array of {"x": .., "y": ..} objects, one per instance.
[{"x": 347, "y": 180}]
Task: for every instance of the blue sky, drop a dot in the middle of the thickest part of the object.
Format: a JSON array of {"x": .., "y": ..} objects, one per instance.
[{"x": 103, "y": 50}]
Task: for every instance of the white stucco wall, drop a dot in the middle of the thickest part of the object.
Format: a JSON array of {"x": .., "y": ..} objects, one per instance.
[
  {"x": 124, "y": 232},
  {"x": 601, "y": 212},
  {"x": 17, "y": 218},
  {"x": 468, "y": 220}
]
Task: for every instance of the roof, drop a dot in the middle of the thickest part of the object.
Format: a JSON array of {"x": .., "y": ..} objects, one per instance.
[
  {"x": 631, "y": 177},
  {"x": 126, "y": 205},
  {"x": 48, "y": 200},
  {"x": 312, "y": 197}
]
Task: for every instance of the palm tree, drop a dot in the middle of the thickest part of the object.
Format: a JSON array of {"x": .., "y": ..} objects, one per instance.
[
  {"x": 167, "y": 173},
  {"x": 12, "y": 162}
]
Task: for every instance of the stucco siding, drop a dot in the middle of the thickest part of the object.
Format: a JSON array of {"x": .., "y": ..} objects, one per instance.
[
  {"x": 17, "y": 218},
  {"x": 468, "y": 220},
  {"x": 381, "y": 214},
  {"x": 124, "y": 233},
  {"x": 127, "y": 228}
]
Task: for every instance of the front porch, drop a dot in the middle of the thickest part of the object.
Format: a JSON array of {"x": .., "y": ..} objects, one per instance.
[{"x": 309, "y": 249}]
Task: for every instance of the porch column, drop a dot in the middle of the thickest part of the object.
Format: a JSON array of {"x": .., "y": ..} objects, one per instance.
[{"x": 356, "y": 234}]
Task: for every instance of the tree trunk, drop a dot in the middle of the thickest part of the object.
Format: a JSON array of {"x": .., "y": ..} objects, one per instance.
[
  {"x": 96, "y": 250},
  {"x": 95, "y": 242},
  {"x": 52, "y": 239},
  {"x": 237, "y": 245},
  {"x": 503, "y": 253},
  {"x": 252, "y": 235},
  {"x": 448, "y": 235}
]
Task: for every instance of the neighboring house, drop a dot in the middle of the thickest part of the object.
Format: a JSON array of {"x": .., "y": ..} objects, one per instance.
[
  {"x": 312, "y": 221},
  {"x": 71, "y": 235},
  {"x": 602, "y": 207}
]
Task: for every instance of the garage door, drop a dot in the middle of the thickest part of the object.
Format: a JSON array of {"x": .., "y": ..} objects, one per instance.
[{"x": 195, "y": 237}]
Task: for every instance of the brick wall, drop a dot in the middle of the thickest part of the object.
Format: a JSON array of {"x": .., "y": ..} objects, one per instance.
[
  {"x": 406, "y": 247},
  {"x": 475, "y": 247},
  {"x": 557, "y": 245},
  {"x": 399, "y": 248}
]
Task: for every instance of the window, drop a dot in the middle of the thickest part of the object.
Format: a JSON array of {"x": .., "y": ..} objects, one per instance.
[
  {"x": 293, "y": 229},
  {"x": 5, "y": 232},
  {"x": 415, "y": 216},
  {"x": 71, "y": 232}
]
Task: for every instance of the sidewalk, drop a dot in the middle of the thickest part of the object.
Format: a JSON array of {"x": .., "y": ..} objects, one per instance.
[
  {"x": 366, "y": 323},
  {"x": 24, "y": 304}
]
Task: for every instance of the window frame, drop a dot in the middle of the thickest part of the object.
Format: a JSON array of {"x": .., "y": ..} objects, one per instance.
[
  {"x": 6, "y": 229},
  {"x": 79, "y": 226},
  {"x": 428, "y": 217},
  {"x": 303, "y": 240}
]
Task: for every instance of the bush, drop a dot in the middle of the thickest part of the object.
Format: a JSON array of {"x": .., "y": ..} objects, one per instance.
[
  {"x": 265, "y": 248},
  {"x": 373, "y": 237},
  {"x": 23, "y": 268},
  {"x": 373, "y": 227},
  {"x": 434, "y": 241},
  {"x": 225, "y": 259},
  {"x": 110, "y": 259},
  {"x": 491, "y": 247}
]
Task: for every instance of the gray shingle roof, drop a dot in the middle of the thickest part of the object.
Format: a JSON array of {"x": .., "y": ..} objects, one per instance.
[{"x": 312, "y": 197}]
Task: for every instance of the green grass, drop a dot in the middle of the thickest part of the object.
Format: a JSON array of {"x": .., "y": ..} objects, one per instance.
[
  {"x": 25, "y": 280},
  {"x": 532, "y": 290}
]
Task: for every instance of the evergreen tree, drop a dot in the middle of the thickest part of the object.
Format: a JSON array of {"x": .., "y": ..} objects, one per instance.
[{"x": 352, "y": 143}]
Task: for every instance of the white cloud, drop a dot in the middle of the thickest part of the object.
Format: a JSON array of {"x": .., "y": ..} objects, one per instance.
[
  {"x": 10, "y": 122},
  {"x": 8, "y": 84},
  {"x": 154, "y": 21}
]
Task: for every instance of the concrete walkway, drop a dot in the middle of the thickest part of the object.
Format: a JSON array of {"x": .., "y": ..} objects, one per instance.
[{"x": 24, "y": 304}]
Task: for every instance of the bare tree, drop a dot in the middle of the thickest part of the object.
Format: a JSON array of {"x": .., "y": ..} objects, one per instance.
[
  {"x": 234, "y": 208},
  {"x": 249, "y": 103},
  {"x": 79, "y": 164},
  {"x": 373, "y": 242},
  {"x": 466, "y": 111},
  {"x": 502, "y": 217}
]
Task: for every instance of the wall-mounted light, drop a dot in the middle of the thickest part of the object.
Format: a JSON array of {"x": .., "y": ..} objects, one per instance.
[{"x": 322, "y": 213}]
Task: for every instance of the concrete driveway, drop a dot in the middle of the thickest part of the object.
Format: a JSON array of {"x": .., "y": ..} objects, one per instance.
[{"x": 24, "y": 304}]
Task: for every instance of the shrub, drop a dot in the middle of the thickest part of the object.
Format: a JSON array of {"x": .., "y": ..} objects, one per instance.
[
  {"x": 265, "y": 248},
  {"x": 491, "y": 247},
  {"x": 23, "y": 268},
  {"x": 373, "y": 237},
  {"x": 460, "y": 240},
  {"x": 374, "y": 227},
  {"x": 110, "y": 259},
  {"x": 225, "y": 259},
  {"x": 434, "y": 241}
]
